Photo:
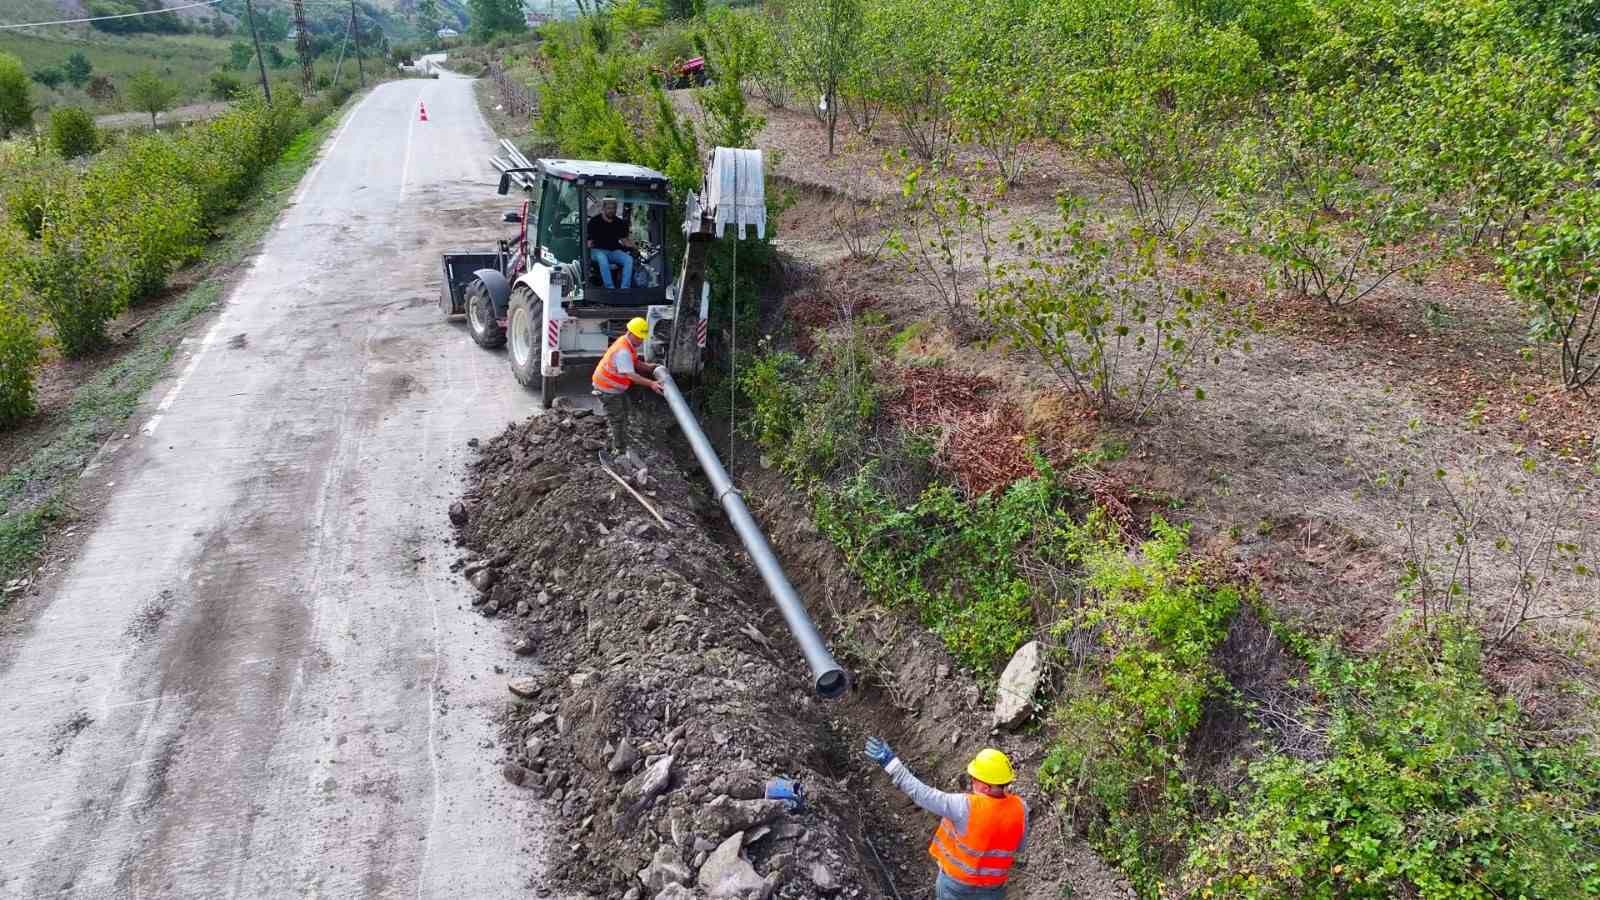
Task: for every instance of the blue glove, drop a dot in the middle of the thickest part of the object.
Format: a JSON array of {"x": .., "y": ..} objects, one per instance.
[
  {"x": 792, "y": 793},
  {"x": 879, "y": 752}
]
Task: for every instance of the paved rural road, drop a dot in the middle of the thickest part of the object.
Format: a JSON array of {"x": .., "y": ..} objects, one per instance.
[{"x": 254, "y": 679}]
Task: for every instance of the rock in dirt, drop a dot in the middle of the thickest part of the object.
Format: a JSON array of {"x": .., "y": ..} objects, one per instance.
[
  {"x": 524, "y": 646},
  {"x": 665, "y": 868},
  {"x": 724, "y": 815},
  {"x": 623, "y": 759},
  {"x": 1014, "y": 694},
  {"x": 526, "y": 688},
  {"x": 727, "y": 874},
  {"x": 677, "y": 892},
  {"x": 458, "y": 513},
  {"x": 515, "y": 774},
  {"x": 485, "y": 579},
  {"x": 650, "y": 783},
  {"x": 822, "y": 877}
]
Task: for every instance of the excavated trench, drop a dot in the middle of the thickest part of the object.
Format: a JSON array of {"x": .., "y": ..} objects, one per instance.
[{"x": 658, "y": 690}]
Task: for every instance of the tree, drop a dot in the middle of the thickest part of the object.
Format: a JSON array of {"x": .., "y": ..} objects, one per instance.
[
  {"x": 684, "y": 9},
  {"x": 101, "y": 88},
  {"x": 16, "y": 100},
  {"x": 730, "y": 49},
  {"x": 240, "y": 56},
  {"x": 1555, "y": 272},
  {"x": 148, "y": 92},
  {"x": 78, "y": 69},
  {"x": 826, "y": 34},
  {"x": 72, "y": 132},
  {"x": 491, "y": 17},
  {"x": 225, "y": 86},
  {"x": 49, "y": 76},
  {"x": 428, "y": 18}
]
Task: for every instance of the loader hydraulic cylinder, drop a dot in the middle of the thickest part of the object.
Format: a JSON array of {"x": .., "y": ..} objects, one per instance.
[{"x": 830, "y": 680}]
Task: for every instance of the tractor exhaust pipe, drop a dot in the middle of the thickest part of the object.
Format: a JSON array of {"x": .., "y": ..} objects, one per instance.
[{"x": 831, "y": 680}]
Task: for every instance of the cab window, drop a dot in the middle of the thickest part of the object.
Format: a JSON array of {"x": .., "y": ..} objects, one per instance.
[{"x": 558, "y": 220}]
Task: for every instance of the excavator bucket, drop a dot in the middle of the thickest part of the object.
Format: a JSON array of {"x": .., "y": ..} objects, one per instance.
[{"x": 734, "y": 193}]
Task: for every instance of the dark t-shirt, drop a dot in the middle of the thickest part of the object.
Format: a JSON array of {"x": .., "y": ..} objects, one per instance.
[{"x": 607, "y": 235}]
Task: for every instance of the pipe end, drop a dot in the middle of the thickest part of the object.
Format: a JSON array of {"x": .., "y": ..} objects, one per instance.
[{"x": 832, "y": 683}]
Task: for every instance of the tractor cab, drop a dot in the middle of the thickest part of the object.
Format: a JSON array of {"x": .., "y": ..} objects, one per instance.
[{"x": 590, "y": 215}]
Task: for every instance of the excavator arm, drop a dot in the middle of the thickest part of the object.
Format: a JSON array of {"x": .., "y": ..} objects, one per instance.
[{"x": 733, "y": 193}]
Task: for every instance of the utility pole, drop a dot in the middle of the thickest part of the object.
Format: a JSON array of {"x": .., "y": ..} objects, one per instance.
[
  {"x": 250, "y": 14},
  {"x": 302, "y": 42},
  {"x": 355, "y": 33}
]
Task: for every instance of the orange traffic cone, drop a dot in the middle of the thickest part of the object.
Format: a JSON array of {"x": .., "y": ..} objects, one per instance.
[{"x": 424, "y": 108}]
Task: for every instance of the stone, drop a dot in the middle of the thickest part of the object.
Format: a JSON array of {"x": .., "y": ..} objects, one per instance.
[
  {"x": 665, "y": 868},
  {"x": 724, "y": 815},
  {"x": 633, "y": 894},
  {"x": 726, "y": 874},
  {"x": 677, "y": 892},
  {"x": 651, "y": 783},
  {"x": 526, "y": 688},
  {"x": 579, "y": 680},
  {"x": 1014, "y": 694},
  {"x": 623, "y": 759},
  {"x": 458, "y": 513},
  {"x": 822, "y": 877},
  {"x": 523, "y": 608},
  {"x": 515, "y": 773},
  {"x": 534, "y": 748},
  {"x": 524, "y": 645},
  {"x": 485, "y": 579}
]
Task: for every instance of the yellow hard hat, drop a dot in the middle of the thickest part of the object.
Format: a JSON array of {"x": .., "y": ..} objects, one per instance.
[
  {"x": 990, "y": 766},
  {"x": 639, "y": 328}
]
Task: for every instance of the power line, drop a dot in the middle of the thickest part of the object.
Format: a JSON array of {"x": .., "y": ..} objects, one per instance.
[{"x": 148, "y": 12}]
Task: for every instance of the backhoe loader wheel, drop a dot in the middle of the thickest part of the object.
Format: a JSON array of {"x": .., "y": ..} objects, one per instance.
[
  {"x": 486, "y": 332},
  {"x": 525, "y": 330}
]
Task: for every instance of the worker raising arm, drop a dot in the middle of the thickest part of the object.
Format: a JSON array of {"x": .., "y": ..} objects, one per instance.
[
  {"x": 620, "y": 369},
  {"x": 980, "y": 832}
]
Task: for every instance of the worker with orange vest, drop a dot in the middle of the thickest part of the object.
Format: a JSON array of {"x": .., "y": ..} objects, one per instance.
[
  {"x": 980, "y": 832},
  {"x": 620, "y": 369}
]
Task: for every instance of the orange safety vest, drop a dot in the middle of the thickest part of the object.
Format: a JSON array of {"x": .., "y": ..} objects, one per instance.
[
  {"x": 981, "y": 857},
  {"x": 606, "y": 378}
]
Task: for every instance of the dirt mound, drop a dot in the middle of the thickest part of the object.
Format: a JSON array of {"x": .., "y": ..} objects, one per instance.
[{"x": 669, "y": 694}]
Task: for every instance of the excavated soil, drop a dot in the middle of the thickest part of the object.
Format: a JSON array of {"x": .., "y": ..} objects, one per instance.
[{"x": 667, "y": 691}]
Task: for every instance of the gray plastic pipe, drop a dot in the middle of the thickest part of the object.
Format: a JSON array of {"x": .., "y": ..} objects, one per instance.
[{"x": 830, "y": 679}]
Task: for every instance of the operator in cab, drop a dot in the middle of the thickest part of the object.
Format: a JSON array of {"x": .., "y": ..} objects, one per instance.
[
  {"x": 609, "y": 243},
  {"x": 619, "y": 370}
]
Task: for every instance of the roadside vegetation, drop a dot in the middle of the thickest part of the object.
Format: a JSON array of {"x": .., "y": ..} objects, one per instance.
[
  {"x": 1261, "y": 160},
  {"x": 87, "y": 241}
]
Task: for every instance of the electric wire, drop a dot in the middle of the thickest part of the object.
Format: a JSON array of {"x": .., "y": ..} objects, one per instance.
[{"x": 148, "y": 12}]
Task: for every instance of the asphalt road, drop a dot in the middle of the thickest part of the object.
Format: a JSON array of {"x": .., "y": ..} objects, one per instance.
[{"x": 253, "y": 680}]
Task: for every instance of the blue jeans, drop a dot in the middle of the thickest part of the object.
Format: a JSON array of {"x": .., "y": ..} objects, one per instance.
[
  {"x": 948, "y": 888},
  {"x": 603, "y": 260}
]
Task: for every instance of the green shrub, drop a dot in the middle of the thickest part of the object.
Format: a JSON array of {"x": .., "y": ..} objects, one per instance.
[
  {"x": 959, "y": 565},
  {"x": 1124, "y": 725},
  {"x": 72, "y": 132},
  {"x": 31, "y": 187},
  {"x": 1433, "y": 786},
  {"x": 19, "y": 336},
  {"x": 225, "y": 86},
  {"x": 155, "y": 210},
  {"x": 82, "y": 280},
  {"x": 16, "y": 100}
]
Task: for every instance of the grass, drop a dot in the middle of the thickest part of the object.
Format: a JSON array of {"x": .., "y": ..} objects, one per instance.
[
  {"x": 36, "y": 495},
  {"x": 187, "y": 59}
]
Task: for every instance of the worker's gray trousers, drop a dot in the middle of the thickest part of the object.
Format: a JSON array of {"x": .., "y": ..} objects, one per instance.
[
  {"x": 950, "y": 889},
  {"x": 617, "y": 407}
]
